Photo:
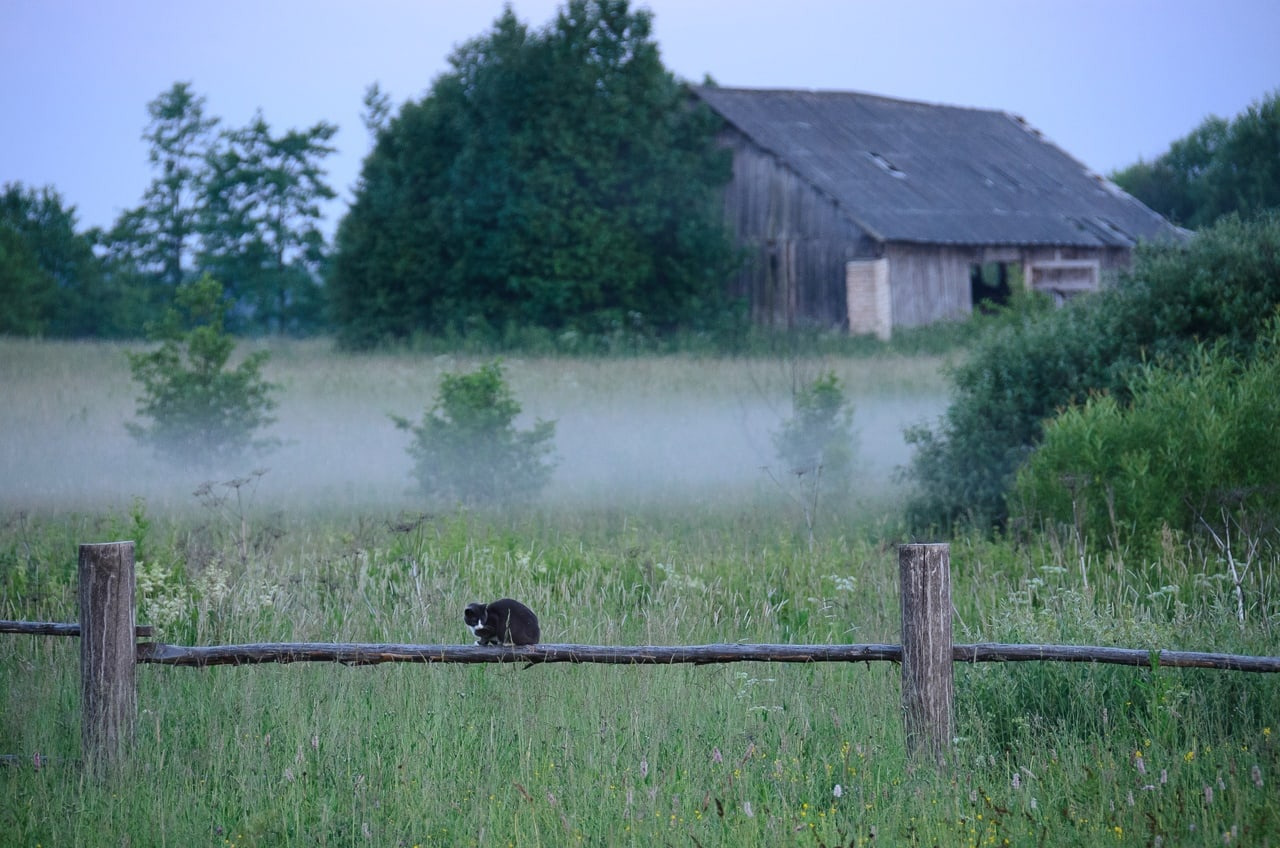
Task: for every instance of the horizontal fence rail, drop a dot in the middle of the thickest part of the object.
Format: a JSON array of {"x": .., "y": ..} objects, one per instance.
[
  {"x": 357, "y": 653},
  {"x": 351, "y": 653},
  {"x": 993, "y": 652},
  {"x": 61, "y": 628},
  {"x": 373, "y": 653}
]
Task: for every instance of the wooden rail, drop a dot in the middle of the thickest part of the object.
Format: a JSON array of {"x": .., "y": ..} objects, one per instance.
[
  {"x": 373, "y": 653},
  {"x": 60, "y": 628},
  {"x": 110, "y": 652}
]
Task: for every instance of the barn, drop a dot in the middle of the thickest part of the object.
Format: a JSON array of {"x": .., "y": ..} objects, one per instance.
[{"x": 869, "y": 213}]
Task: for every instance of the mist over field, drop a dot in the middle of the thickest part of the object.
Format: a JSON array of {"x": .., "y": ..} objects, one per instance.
[{"x": 625, "y": 429}]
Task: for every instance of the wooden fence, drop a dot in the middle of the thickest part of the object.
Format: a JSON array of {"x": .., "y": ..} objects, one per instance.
[{"x": 110, "y": 652}]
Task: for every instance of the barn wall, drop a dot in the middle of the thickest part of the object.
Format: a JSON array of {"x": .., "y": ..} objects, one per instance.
[
  {"x": 929, "y": 283},
  {"x": 796, "y": 242}
]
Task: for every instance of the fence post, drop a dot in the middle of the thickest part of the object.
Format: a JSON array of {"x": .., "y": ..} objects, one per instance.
[
  {"x": 108, "y": 696},
  {"x": 924, "y": 572}
]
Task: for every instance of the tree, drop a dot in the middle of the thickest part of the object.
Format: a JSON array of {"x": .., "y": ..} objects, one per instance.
[
  {"x": 557, "y": 178},
  {"x": 260, "y": 224},
  {"x": 1218, "y": 168},
  {"x": 180, "y": 139},
  {"x": 26, "y": 290},
  {"x": 201, "y": 411},
  {"x": 467, "y": 447},
  {"x": 50, "y": 279}
]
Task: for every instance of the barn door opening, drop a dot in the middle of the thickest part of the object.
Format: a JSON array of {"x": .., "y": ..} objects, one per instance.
[{"x": 989, "y": 285}]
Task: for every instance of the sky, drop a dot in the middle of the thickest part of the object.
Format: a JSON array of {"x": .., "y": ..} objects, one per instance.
[{"x": 1109, "y": 81}]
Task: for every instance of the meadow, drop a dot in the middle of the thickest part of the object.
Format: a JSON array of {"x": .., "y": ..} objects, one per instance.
[{"x": 665, "y": 524}]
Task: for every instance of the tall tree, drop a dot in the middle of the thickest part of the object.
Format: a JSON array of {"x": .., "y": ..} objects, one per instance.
[
  {"x": 27, "y": 291},
  {"x": 1218, "y": 168},
  {"x": 51, "y": 280},
  {"x": 159, "y": 236},
  {"x": 557, "y": 178},
  {"x": 261, "y": 223},
  {"x": 180, "y": 137}
]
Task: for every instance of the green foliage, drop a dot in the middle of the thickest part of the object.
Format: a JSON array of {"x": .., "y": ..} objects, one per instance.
[
  {"x": 467, "y": 447},
  {"x": 50, "y": 281},
  {"x": 1222, "y": 285},
  {"x": 201, "y": 410},
  {"x": 241, "y": 205},
  {"x": 557, "y": 179},
  {"x": 168, "y": 223},
  {"x": 260, "y": 224},
  {"x": 817, "y": 440},
  {"x": 1192, "y": 442},
  {"x": 1219, "y": 168},
  {"x": 26, "y": 290}
]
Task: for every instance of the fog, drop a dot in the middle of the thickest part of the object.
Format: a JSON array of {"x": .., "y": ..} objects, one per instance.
[{"x": 347, "y": 453}]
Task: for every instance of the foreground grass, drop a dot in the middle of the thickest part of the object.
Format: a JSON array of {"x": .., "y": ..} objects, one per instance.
[{"x": 748, "y": 754}]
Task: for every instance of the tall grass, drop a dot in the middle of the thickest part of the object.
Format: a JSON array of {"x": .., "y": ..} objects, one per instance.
[{"x": 739, "y": 754}]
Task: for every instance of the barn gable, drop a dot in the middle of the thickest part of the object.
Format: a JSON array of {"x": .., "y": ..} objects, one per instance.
[{"x": 868, "y": 212}]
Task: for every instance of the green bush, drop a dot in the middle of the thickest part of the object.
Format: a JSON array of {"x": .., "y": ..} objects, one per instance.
[
  {"x": 201, "y": 411},
  {"x": 1032, "y": 363},
  {"x": 1192, "y": 443},
  {"x": 817, "y": 440},
  {"x": 467, "y": 447}
]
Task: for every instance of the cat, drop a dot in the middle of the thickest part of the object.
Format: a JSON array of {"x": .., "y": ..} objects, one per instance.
[{"x": 503, "y": 622}]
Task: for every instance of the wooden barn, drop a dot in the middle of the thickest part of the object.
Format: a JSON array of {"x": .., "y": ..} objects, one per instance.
[{"x": 870, "y": 213}]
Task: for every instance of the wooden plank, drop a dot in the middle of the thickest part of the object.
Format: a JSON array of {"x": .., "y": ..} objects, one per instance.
[
  {"x": 59, "y": 628},
  {"x": 351, "y": 653}
]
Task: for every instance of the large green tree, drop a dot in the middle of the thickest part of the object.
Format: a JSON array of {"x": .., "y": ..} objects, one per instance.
[
  {"x": 50, "y": 280},
  {"x": 1220, "y": 167},
  {"x": 557, "y": 178},
  {"x": 260, "y": 223}
]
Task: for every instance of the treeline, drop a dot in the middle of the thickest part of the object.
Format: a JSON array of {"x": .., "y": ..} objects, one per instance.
[
  {"x": 554, "y": 181},
  {"x": 1218, "y": 168},
  {"x": 241, "y": 204}
]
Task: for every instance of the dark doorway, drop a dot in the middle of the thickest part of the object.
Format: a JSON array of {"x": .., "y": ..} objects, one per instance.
[{"x": 989, "y": 285}]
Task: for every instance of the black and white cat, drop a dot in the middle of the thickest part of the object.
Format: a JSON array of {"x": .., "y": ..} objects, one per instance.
[{"x": 503, "y": 622}]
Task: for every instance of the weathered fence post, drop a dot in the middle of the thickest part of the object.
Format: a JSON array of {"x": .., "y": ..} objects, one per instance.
[
  {"x": 108, "y": 696},
  {"x": 927, "y": 679}
]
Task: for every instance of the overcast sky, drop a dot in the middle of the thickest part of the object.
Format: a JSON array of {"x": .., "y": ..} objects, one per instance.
[{"x": 1109, "y": 81}]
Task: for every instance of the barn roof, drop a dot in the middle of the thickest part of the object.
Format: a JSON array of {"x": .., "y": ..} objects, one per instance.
[{"x": 920, "y": 172}]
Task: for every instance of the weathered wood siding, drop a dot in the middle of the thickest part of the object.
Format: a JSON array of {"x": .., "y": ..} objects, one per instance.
[
  {"x": 929, "y": 283},
  {"x": 796, "y": 241}
]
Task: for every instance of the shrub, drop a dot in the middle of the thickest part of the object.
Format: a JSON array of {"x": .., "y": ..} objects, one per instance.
[
  {"x": 815, "y": 445},
  {"x": 467, "y": 447},
  {"x": 201, "y": 411},
  {"x": 1192, "y": 443},
  {"x": 1222, "y": 285},
  {"x": 817, "y": 440}
]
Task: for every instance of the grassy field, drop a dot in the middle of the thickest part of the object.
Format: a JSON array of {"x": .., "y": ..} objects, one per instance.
[{"x": 661, "y": 527}]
